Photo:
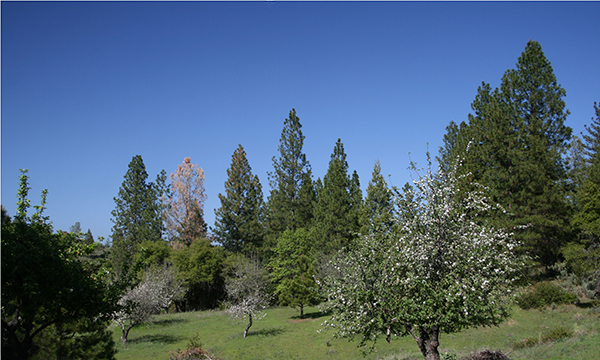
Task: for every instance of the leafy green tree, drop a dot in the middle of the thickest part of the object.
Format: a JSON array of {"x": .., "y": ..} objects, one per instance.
[
  {"x": 444, "y": 271},
  {"x": 338, "y": 202},
  {"x": 137, "y": 216},
  {"x": 377, "y": 211},
  {"x": 239, "y": 221},
  {"x": 518, "y": 142},
  {"x": 46, "y": 285},
  {"x": 302, "y": 290},
  {"x": 201, "y": 267},
  {"x": 291, "y": 245},
  {"x": 290, "y": 202},
  {"x": 184, "y": 208}
]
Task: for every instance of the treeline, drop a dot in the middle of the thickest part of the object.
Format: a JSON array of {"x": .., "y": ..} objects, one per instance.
[{"x": 515, "y": 148}]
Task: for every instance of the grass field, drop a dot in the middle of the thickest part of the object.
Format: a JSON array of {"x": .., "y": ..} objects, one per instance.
[{"x": 282, "y": 335}]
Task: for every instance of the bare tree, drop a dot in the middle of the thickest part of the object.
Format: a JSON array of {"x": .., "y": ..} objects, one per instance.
[
  {"x": 247, "y": 291},
  {"x": 155, "y": 293},
  {"x": 184, "y": 215}
]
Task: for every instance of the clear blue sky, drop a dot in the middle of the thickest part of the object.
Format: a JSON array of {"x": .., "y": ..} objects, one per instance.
[{"x": 87, "y": 86}]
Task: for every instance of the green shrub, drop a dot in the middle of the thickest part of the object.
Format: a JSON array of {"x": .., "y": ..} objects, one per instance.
[
  {"x": 555, "y": 334},
  {"x": 544, "y": 294}
]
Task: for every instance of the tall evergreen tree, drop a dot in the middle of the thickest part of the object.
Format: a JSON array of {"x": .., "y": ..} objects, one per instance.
[
  {"x": 338, "y": 201},
  {"x": 239, "y": 221},
  {"x": 588, "y": 196},
  {"x": 518, "y": 139},
  {"x": 592, "y": 138},
  {"x": 137, "y": 214},
  {"x": 378, "y": 208},
  {"x": 290, "y": 201}
]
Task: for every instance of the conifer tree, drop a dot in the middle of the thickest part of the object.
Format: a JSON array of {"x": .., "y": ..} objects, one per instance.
[
  {"x": 289, "y": 205},
  {"x": 336, "y": 216},
  {"x": 302, "y": 290},
  {"x": 137, "y": 214},
  {"x": 518, "y": 140},
  {"x": 239, "y": 221},
  {"x": 377, "y": 209}
]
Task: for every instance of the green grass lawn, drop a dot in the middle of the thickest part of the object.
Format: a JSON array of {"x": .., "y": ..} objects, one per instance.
[{"x": 282, "y": 335}]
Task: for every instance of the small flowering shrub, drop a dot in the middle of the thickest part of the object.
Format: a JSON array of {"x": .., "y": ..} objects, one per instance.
[
  {"x": 544, "y": 294},
  {"x": 192, "y": 353}
]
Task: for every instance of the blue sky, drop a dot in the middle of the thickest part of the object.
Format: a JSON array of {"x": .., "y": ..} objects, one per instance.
[{"x": 88, "y": 85}]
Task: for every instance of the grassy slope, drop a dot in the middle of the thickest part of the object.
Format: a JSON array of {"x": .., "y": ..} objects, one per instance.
[{"x": 281, "y": 335}]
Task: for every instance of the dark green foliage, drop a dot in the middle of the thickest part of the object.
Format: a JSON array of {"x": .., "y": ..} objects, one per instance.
[
  {"x": 518, "y": 139},
  {"x": 544, "y": 294},
  {"x": 377, "y": 210},
  {"x": 338, "y": 203},
  {"x": 239, "y": 221},
  {"x": 137, "y": 216},
  {"x": 291, "y": 245},
  {"x": 291, "y": 199},
  {"x": 46, "y": 286},
  {"x": 85, "y": 339},
  {"x": 301, "y": 290},
  {"x": 201, "y": 267}
]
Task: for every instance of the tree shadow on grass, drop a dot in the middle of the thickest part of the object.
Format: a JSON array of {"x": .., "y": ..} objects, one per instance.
[
  {"x": 267, "y": 332},
  {"x": 166, "y": 322},
  {"x": 164, "y": 339},
  {"x": 311, "y": 315}
]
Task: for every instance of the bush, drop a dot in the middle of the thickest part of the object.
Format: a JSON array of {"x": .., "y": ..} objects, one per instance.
[
  {"x": 488, "y": 355},
  {"x": 544, "y": 294},
  {"x": 555, "y": 334},
  {"x": 192, "y": 354}
]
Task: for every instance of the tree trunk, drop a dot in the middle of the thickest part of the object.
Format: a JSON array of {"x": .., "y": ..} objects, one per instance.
[
  {"x": 248, "y": 327},
  {"x": 301, "y": 311},
  {"x": 427, "y": 341},
  {"x": 125, "y": 333}
]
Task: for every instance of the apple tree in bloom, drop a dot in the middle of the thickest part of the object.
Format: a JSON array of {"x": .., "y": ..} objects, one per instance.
[
  {"x": 247, "y": 291},
  {"x": 153, "y": 294},
  {"x": 184, "y": 213},
  {"x": 444, "y": 270}
]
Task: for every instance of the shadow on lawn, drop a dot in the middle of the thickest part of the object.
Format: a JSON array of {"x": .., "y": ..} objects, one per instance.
[
  {"x": 166, "y": 322},
  {"x": 312, "y": 315},
  {"x": 165, "y": 339},
  {"x": 267, "y": 332}
]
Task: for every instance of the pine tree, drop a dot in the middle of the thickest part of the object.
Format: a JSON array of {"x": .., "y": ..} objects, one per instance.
[
  {"x": 378, "y": 209},
  {"x": 588, "y": 195},
  {"x": 239, "y": 221},
  {"x": 137, "y": 215},
  {"x": 290, "y": 201},
  {"x": 592, "y": 138},
  {"x": 302, "y": 290},
  {"x": 518, "y": 141},
  {"x": 338, "y": 201}
]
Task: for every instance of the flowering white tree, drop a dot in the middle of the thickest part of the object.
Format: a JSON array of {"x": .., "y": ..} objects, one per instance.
[
  {"x": 247, "y": 291},
  {"x": 153, "y": 294},
  {"x": 445, "y": 270}
]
